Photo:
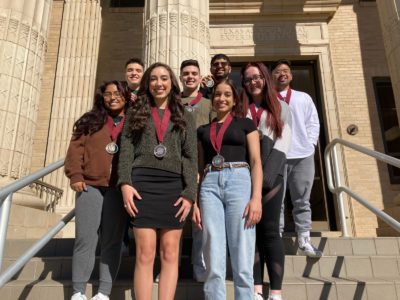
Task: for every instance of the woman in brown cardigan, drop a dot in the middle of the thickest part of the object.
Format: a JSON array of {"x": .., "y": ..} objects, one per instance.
[{"x": 91, "y": 166}]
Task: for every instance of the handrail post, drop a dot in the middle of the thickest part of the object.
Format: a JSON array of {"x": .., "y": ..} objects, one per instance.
[
  {"x": 339, "y": 193},
  {"x": 5, "y": 208}
]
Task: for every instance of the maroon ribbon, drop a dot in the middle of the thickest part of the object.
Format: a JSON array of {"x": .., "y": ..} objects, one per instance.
[
  {"x": 216, "y": 139},
  {"x": 256, "y": 115},
  {"x": 288, "y": 96},
  {"x": 115, "y": 130},
  {"x": 195, "y": 100},
  {"x": 161, "y": 125}
]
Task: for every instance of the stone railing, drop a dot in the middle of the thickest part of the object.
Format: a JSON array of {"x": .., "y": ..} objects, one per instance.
[{"x": 48, "y": 193}]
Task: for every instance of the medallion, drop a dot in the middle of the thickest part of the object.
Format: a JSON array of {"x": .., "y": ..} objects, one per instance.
[
  {"x": 189, "y": 108},
  {"x": 160, "y": 150},
  {"x": 218, "y": 161},
  {"x": 112, "y": 148},
  {"x": 209, "y": 83}
]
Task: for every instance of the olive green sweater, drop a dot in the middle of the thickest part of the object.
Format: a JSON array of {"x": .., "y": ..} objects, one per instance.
[
  {"x": 203, "y": 113},
  {"x": 181, "y": 156}
]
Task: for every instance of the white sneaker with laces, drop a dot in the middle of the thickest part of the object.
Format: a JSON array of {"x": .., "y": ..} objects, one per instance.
[
  {"x": 100, "y": 296},
  {"x": 78, "y": 296},
  {"x": 258, "y": 296},
  {"x": 306, "y": 248}
]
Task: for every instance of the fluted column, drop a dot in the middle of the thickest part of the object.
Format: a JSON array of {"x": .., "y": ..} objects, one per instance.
[
  {"x": 176, "y": 30},
  {"x": 23, "y": 40},
  {"x": 389, "y": 15},
  {"x": 74, "y": 84}
]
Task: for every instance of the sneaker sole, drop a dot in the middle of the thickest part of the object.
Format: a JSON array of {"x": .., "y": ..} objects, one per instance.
[{"x": 305, "y": 253}]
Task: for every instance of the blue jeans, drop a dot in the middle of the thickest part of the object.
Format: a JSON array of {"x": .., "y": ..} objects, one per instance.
[
  {"x": 199, "y": 267},
  {"x": 223, "y": 197}
]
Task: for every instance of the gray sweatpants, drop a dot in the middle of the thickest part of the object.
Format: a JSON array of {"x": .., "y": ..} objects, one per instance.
[
  {"x": 300, "y": 179},
  {"x": 98, "y": 212}
]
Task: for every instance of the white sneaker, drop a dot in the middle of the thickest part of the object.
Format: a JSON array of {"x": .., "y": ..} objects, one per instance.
[
  {"x": 275, "y": 297},
  {"x": 78, "y": 296},
  {"x": 100, "y": 296},
  {"x": 306, "y": 248},
  {"x": 258, "y": 296}
]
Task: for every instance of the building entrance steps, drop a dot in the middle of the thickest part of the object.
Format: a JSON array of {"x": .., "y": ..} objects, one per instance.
[{"x": 352, "y": 268}]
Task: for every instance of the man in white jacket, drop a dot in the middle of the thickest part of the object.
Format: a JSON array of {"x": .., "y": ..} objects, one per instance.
[{"x": 300, "y": 159}]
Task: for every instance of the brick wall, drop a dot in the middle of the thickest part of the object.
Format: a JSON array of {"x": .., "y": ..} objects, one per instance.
[
  {"x": 121, "y": 39},
  {"x": 358, "y": 56}
]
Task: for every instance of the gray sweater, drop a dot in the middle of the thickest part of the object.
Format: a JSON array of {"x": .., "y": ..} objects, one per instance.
[{"x": 181, "y": 156}]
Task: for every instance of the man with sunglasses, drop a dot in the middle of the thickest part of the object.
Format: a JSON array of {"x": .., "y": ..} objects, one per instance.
[
  {"x": 300, "y": 158},
  {"x": 220, "y": 70}
]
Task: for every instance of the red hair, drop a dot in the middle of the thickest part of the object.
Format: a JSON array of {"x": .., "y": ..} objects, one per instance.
[{"x": 269, "y": 102}]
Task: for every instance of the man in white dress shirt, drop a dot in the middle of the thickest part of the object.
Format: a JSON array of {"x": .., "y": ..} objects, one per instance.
[{"x": 300, "y": 159}]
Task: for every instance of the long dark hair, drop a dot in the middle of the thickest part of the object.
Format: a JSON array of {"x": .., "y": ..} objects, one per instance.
[
  {"x": 93, "y": 120},
  {"x": 139, "y": 113},
  {"x": 238, "y": 110},
  {"x": 269, "y": 101}
]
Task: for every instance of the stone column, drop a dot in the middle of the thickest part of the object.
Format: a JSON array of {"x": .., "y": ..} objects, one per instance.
[
  {"x": 74, "y": 84},
  {"x": 389, "y": 14},
  {"x": 175, "y": 31},
  {"x": 23, "y": 40}
]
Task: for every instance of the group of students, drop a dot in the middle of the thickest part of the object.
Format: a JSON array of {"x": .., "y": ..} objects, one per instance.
[{"x": 153, "y": 156}]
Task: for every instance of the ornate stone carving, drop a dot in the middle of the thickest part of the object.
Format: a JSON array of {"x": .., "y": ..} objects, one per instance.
[
  {"x": 195, "y": 26},
  {"x": 3, "y": 20},
  {"x": 173, "y": 20},
  {"x": 12, "y": 30},
  {"x": 185, "y": 24},
  {"x": 279, "y": 34},
  {"x": 185, "y": 35},
  {"x": 19, "y": 84}
]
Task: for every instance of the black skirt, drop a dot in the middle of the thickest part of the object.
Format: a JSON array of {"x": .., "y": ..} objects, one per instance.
[{"x": 159, "y": 190}]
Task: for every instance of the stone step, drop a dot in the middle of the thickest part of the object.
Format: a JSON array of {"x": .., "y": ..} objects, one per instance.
[
  {"x": 342, "y": 267},
  {"x": 30, "y": 222},
  {"x": 293, "y": 288},
  {"x": 329, "y": 245}
]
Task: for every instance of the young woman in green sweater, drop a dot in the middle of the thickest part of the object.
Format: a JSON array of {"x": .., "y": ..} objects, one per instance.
[{"x": 158, "y": 177}]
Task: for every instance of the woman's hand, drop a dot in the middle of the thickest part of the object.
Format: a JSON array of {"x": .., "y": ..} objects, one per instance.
[
  {"x": 253, "y": 212},
  {"x": 196, "y": 216},
  {"x": 79, "y": 186},
  {"x": 186, "y": 206},
  {"x": 128, "y": 194}
]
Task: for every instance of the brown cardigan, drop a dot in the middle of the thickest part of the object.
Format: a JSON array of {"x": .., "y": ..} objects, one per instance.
[{"x": 88, "y": 161}]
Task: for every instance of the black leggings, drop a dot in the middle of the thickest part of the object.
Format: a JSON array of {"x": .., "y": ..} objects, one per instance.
[{"x": 268, "y": 239}]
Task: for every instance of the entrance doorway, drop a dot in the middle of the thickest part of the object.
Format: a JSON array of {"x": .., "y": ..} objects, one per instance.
[{"x": 305, "y": 78}]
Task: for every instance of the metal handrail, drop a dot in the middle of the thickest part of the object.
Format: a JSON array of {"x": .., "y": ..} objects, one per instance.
[
  {"x": 331, "y": 158},
  {"x": 27, "y": 180},
  {"x": 6, "y": 194}
]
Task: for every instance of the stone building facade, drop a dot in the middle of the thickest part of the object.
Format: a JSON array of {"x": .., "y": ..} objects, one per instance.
[{"x": 54, "y": 53}]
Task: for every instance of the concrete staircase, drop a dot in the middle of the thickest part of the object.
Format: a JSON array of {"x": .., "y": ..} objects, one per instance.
[{"x": 355, "y": 268}]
